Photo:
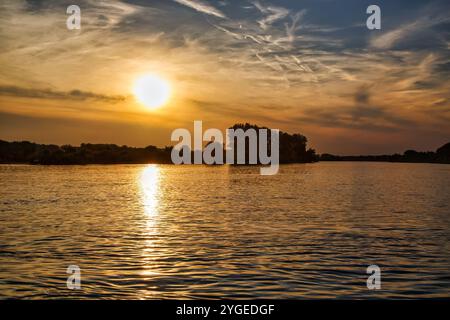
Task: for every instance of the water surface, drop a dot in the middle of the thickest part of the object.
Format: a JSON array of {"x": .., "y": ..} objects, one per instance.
[{"x": 155, "y": 231}]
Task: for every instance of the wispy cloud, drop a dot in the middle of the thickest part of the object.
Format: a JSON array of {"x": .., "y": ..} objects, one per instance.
[
  {"x": 389, "y": 39},
  {"x": 406, "y": 31},
  {"x": 291, "y": 29},
  {"x": 203, "y": 7},
  {"x": 290, "y": 65},
  {"x": 52, "y": 94},
  {"x": 271, "y": 14}
]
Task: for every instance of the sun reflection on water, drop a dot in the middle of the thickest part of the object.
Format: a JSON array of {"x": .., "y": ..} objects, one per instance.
[{"x": 149, "y": 183}]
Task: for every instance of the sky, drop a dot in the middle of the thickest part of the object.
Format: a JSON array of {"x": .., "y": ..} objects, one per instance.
[{"x": 301, "y": 66}]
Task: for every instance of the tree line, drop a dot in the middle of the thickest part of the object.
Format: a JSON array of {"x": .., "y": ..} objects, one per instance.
[
  {"x": 293, "y": 149},
  {"x": 441, "y": 155}
]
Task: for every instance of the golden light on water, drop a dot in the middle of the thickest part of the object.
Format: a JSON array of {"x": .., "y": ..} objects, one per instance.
[
  {"x": 152, "y": 91},
  {"x": 149, "y": 183}
]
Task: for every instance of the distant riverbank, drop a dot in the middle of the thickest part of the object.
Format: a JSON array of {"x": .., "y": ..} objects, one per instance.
[
  {"x": 441, "y": 155},
  {"x": 293, "y": 149}
]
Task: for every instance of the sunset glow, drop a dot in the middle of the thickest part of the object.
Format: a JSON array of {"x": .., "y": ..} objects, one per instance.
[
  {"x": 262, "y": 153},
  {"x": 152, "y": 91}
]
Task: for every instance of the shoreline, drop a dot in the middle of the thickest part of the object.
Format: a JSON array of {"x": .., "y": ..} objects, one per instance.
[{"x": 207, "y": 165}]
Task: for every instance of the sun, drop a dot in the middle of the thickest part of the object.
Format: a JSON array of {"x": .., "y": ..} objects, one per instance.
[{"x": 152, "y": 91}]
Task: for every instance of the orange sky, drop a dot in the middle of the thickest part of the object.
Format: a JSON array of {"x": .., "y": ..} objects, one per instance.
[{"x": 348, "y": 89}]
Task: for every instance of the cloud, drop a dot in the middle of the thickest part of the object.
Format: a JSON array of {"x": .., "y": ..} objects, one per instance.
[
  {"x": 272, "y": 14},
  {"x": 291, "y": 29},
  {"x": 389, "y": 39},
  {"x": 359, "y": 117},
  {"x": 51, "y": 94},
  {"x": 203, "y": 7},
  {"x": 262, "y": 63},
  {"x": 362, "y": 95},
  {"x": 408, "y": 32}
]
